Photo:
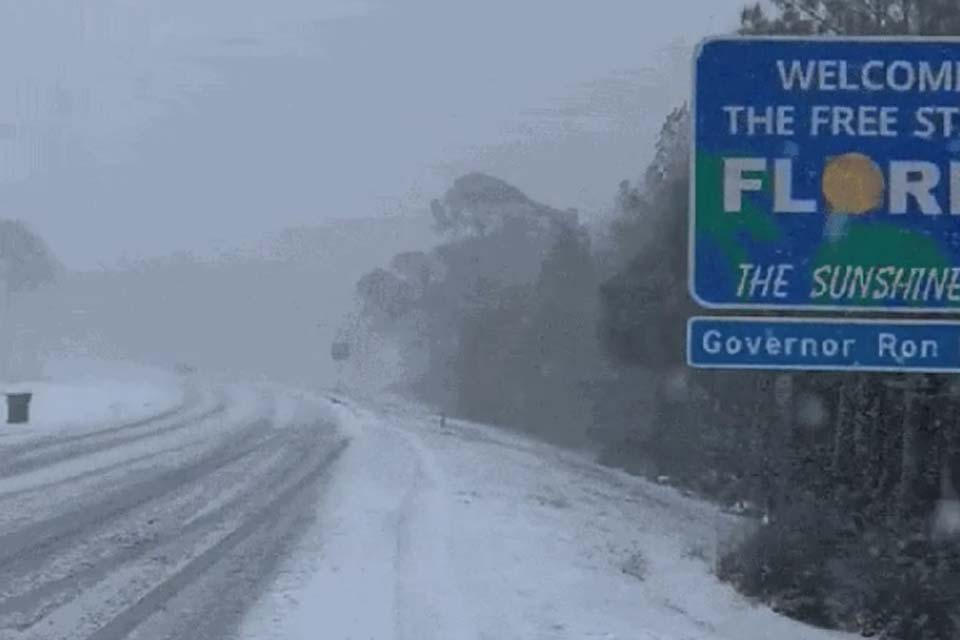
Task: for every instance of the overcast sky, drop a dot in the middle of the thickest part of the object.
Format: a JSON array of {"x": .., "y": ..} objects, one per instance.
[{"x": 195, "y": 124}]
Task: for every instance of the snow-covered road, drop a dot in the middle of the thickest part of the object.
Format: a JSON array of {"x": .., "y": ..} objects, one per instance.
[
  {"x": 259, "y": 513},
  {"x": 161, "y": 527}
]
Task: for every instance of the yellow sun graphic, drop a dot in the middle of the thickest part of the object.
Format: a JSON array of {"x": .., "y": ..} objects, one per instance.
[{"x": 853, "y": 184}]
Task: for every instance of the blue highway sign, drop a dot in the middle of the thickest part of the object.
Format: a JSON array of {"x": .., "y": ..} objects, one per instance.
[
  {"x": 825, "y": 345},
  {"x": 826, "y": 174}
]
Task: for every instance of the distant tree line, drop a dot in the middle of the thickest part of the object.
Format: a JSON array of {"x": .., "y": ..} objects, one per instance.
[{"x": 497, "y": 323}]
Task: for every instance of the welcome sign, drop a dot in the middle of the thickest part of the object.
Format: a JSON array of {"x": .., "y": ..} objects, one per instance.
[{"x": 826, "y": 174}]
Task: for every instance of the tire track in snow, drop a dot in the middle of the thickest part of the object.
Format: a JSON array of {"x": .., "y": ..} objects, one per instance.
[
  {"x": 275, "y": 511},
  {"x": 50, "y": 491},
  {"x": 99, "y": 472},
  {"x": 25, "y": 460},
  {"x": 429, "y": 601},
  {"x": 98, "y": 571},
  {"x": 281, "y": 461},
  {"x": 191, "y": 400},
  {"x": 29, "y": 541}
]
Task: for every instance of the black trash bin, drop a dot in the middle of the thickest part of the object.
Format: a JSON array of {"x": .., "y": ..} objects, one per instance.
[{"x": 18, "y": 408}]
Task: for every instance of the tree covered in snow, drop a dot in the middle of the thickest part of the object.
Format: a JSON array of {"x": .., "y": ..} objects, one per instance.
[
  {"x": 26, "y": 263},
  {"x": 497, "y": 323},
  {"x": 25, "y": 260}
]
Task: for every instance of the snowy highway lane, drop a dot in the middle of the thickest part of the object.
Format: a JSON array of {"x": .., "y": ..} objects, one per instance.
[{"x": 165, "y": 527}]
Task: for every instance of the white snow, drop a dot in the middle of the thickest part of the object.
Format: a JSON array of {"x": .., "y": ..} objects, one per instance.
[
  {"x": 471, "y": 532},
  {"x": 67, "y": 403},
  {"x": 83, "y": 394},
  {"x": 148, "y": 452},
  {"x": 343, "y": 570}
]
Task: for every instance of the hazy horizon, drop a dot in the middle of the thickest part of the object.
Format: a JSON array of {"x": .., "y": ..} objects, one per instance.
[{"x": 136, "y": 130}]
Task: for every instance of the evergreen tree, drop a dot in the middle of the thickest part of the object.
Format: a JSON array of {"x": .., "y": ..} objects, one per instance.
[{"x": 869, "y": 472}]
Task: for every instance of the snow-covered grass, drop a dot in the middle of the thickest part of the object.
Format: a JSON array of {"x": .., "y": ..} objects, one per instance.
[
  {"x": 466, "y": 531},
  {"x": 65, "y": 404},
  {"x": 83, "y": 394}
]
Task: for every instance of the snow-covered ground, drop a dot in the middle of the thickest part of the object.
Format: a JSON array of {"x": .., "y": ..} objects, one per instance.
[
  {"x": 83, "y": 394},
  {"x": 470, "y": 532},
  {"x": 173, "y": 525},
  {"x": 162, "y": 527}
]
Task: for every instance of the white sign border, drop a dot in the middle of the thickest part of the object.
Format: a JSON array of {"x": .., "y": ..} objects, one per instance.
[
  {"x": 815, "y": 320},
  {"x": 692, "y": 193}
]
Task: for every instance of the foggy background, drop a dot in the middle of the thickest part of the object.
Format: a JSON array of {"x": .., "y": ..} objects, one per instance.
[
  {"x": 214, "y": 176},
  {"x": 480, "y": 206}
]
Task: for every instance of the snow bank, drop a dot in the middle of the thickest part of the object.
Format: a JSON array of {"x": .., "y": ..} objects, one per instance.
[
  {"x": 86, "y": 393},
  {"x": 339, "y": 583},
  {"x": 62, "y": 404}
]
